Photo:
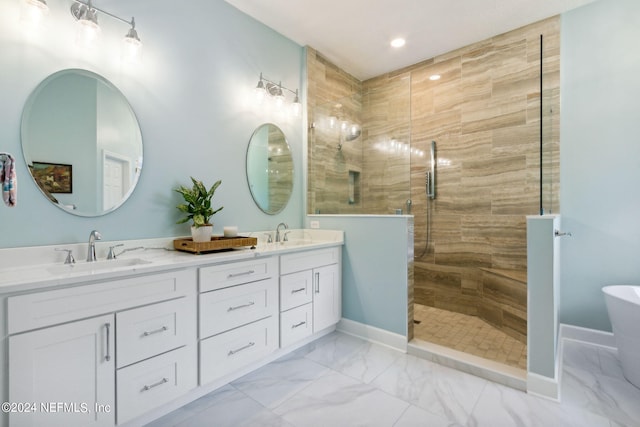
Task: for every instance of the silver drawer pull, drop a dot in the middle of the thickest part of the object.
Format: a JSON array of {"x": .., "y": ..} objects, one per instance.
[
  {"x": 244, "y": 273},
  {"x": 107, "y": 357},
  {"x": 295, "y": 291},
  {"x": 298, "y": 325},
  {"x": 149, "y": 387},
  {"x": 241, "y": 306},
  {"x": 157, "y": 331},
  {"x": 232, "y": 352}
]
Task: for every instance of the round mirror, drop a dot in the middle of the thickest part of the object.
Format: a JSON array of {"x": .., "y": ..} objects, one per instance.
[
  {"x": 269, "y": 168},
  {"x": 81, "y": 142}
]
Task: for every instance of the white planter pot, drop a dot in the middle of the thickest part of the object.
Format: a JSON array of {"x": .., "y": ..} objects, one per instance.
[{"x": 201, "y": 234}]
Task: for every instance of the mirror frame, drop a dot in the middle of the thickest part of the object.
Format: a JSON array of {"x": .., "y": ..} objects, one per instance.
[
  {"x": 253, "y": 141},
  {"x": 136, "y": 169}
]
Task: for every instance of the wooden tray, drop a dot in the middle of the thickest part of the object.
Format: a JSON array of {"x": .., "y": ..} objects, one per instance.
[{"x": 217, "y": 243}]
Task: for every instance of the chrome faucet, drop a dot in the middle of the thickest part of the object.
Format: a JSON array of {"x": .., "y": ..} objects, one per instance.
[
  {"x": 91, "y": 253},
  {"x": 278, "y": 230}
]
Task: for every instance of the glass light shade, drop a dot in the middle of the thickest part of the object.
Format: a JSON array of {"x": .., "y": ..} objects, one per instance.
[
  {"x": 279, "y": 101},
  {"x": 260, "y": 92},
  {"x": 131, "y": 49},
  {"x": 332, "y": 122},
  {"x": 88, "y": 30},
  {"x": 33, "y": 11},
  {"x": 296, "y": 109}
]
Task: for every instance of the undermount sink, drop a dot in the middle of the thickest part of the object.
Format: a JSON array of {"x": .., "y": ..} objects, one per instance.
[
  {"x": 295, "y": 242},
  {"x": 97, "y": 266}
]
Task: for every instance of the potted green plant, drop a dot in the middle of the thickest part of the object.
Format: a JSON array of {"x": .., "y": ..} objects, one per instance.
[{"x": 198, "y": 208}]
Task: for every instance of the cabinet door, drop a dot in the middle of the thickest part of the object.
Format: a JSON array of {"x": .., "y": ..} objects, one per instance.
[
  {"x": 327, "y": 297},
  {"x": 67, "y": 372}
]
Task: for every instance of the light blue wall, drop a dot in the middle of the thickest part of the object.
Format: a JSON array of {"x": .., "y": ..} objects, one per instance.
[
  {"x": 374, "y": 268},
  {"x": 599, "y": 156},
  {"x": 192, "y": 97}
]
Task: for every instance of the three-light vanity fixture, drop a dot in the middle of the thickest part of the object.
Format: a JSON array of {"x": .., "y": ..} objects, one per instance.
[
  {"x": 267, "y": 89},
  {"x": 86, "y": 16}
]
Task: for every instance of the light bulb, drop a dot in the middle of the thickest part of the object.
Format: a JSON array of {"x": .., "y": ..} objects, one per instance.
[
  {"x": 33, "y": 12},
  {"x": 260, "y": 91},
  {"x": 131, "y": 45},
  {"x": 88, "y": 28}
]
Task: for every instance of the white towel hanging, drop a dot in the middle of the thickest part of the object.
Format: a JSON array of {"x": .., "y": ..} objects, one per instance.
[{"x": 8, "y": 179}]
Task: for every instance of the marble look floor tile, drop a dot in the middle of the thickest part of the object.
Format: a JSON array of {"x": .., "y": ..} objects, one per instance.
[
  {"x": 333, "y": 348},
  {"x": 441, "y": 391},
  {"x": 172, "y": 418},
  {"x": 609, "y": 363},
  {"x": 367, "y": 362},
  {"x": 279, "y": 380},
  {"x": 614, "y": 398},
  {"x": 580, "y": 355},
  {"x": 338, "y": 400},
  {"x": 232, "y": 408},
  {"x": 418, "y": 417},
  {"x": 504, "y": 406}
]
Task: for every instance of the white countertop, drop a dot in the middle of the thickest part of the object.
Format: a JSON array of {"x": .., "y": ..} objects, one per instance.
[{"x": 41, "y": 267}]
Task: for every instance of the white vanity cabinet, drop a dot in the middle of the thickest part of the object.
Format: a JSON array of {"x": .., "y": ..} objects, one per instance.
[
  {"x": 238, "y": 320},
  {"x": 310, "y": 292},
  {"x": 68, "y": 348},
  {"x": 123, "y": 347},
  {"x": 71, "y": 364}
]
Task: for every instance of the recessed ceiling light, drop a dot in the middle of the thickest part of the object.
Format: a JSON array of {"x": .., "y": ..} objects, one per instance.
[
  {"x": 434, "y": 77},
  {"x": 398, "y": 42}
]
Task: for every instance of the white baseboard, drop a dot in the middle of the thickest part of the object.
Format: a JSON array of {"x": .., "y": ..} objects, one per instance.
[
  {"x": 373, "y": 334},
  {"x": 546, "y": 387},
  {"x": 591, "y": 336},
  {"x": 550, "y": 387}
]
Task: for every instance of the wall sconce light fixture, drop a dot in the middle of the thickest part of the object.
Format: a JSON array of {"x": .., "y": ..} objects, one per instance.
[
  {"x": 270, "y": 89},
  {"x": 86, "y": 16}
]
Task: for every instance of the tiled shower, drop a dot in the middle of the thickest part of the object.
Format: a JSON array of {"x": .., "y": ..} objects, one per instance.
[{"x": 369, "y": 153}]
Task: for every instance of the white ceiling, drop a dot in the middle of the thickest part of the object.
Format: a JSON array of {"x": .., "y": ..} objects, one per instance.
[{"x": 355, "y": 34}]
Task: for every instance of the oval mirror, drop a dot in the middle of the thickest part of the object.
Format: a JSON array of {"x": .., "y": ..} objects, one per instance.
[
  {"x": 81, "y": 142},
  {"x": 269, "y": 168}
]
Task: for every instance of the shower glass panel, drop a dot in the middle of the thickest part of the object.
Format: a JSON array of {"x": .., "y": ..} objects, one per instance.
[
  {"x": 550, "y": 150},
  {"x": 360, "y": 151}
]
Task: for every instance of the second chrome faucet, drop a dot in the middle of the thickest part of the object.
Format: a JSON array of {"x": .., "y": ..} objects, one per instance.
[
  {"x": 91, "y": 252},
  {"x": 278, "y": 231}
]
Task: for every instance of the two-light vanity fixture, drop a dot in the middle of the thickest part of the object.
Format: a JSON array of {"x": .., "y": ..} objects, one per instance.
[
  {"x": 86, "y": 16},
  {"x": 267, "y": 89}
]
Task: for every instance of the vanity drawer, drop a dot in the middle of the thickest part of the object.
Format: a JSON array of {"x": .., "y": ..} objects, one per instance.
[
  {"x": 154, "y": 382},
  {"x": 47, "y": 308},
  {"x": 225, "y": 275},
  {"x": 296, "y": 324},
  {"x": 233, "y": 350},
  {"x": 296, "y": 289},
  {"x": 306, "y": 260},
  {"x": 147, "y": 331},
  {"x": 229, "y": 308}
]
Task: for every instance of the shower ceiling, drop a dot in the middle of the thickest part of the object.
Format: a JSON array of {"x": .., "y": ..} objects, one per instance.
[{"x": 355, "y": 34}]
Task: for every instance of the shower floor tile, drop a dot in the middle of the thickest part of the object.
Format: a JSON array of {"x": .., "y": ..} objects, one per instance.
[{"x": 469, "y": 334}]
